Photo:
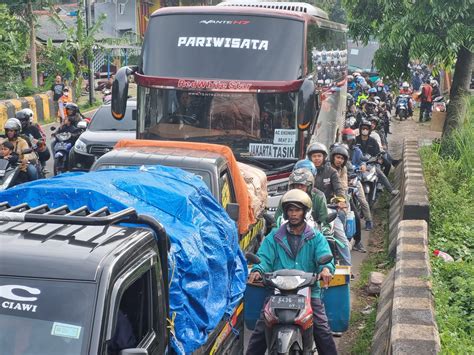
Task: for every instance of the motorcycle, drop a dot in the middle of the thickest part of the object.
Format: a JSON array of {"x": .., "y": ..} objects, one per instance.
[
  {"x": 288, "y": 312},
  {"x": 370, "y": 180},
  {"x": 62, "y": 147},
  {"x": 439, "y": 104},
  {"x": 402, "y": 108},
  {"x": 107, "y": 98}
]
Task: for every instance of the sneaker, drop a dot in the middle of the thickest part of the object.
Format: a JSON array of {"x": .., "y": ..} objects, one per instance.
[
  {"x": 359, "y": 247},
  {"x": 395, "y": 162},
  {"x": 369, "y": 225},
  {"x": 394, "y": 192}
]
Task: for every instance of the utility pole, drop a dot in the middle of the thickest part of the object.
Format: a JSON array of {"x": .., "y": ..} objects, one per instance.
[{"x": 89, "y": 61}]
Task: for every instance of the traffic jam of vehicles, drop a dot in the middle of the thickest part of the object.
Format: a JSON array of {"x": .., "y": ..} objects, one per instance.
[{"x": 216, "y": 212}]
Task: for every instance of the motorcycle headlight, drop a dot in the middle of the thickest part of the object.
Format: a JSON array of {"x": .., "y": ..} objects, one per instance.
[
  {"x": 287, "y": 283},
  {"x": 80, "y": 146}
]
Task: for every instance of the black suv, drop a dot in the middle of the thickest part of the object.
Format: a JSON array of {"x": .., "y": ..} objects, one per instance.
[{"x": 101, "y": 135}]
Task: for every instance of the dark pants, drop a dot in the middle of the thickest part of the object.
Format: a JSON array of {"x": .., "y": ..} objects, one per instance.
[
  {"x": 321, "y": 332},
  {"x": 358, "y": 234},
  {"x": 424, "y": 107}
]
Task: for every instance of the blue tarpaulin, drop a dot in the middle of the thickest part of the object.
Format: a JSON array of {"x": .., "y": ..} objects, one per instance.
[{"x": 207, "y": 269}]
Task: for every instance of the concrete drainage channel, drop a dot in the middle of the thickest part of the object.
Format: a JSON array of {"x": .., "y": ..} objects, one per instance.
[{"x": 405, "y": 322}]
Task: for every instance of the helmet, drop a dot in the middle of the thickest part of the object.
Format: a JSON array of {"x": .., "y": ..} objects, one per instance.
[
  {"x": 302, "y": 176},
  {"x": 373, "y": 118},
  {"x": 305, "y": 164},
  {"x": 356, "y": 73},
  {"x": 434, "y": 83},
  {"x": 23, "y": 117},
  {"x": 296, "y": 198},
  {"x": 348, "y": 135},
  {"x": 316, "y": 148},
  {"x": 365, "y": 123},
  {"x": 372, "y": 91},
  {"x": 13, "y": 124},
  {"x": 350, "y": 78},
  {"x": 71, "y": 109},
  {"x": 405, "y": 85},
  {"x": 341, "y": 150}
]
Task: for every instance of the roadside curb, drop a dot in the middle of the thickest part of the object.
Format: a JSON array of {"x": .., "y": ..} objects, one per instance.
[{"x": 406, "y": 322}]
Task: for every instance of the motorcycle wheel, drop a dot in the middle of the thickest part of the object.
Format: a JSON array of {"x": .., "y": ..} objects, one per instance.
[{"x": 58, "y": 167}]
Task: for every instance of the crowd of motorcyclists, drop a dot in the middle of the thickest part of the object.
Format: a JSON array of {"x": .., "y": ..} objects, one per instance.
[{"x": 24, "y": 143}]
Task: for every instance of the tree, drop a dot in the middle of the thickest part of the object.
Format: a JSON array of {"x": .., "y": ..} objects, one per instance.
[
  {"x": 435, "y": 31},
  {"x": 13, "y": 48},
  {"x": 70, "y": 57},
  {"x": 24, "y": 9}
]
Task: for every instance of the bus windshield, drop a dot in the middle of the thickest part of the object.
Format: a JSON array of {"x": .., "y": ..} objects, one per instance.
[
  {"x": 254, "y": 126},
  {"x": 224, "y": 46}
]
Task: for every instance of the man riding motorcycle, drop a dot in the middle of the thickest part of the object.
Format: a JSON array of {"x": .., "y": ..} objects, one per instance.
[
  {"x": 34, "y": 134},
  {"x": 327, "y": 180},
  {"x": 28, "y": 161},
  {"x": 295, "y": 246},
  {"x": 303, "y": 179},
  {"x": 349, "y": 138},
  {"x": 369, "y": 145}
]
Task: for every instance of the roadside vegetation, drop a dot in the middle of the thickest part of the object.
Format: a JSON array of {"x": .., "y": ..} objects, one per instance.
[{"x": 448, "y": 169}]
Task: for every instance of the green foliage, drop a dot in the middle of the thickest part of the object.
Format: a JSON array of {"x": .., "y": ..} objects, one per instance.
[
  {"x": 13, "y": 48},
  {"x": 448, "y": 172},
  {"x": 430, "y": 30}
]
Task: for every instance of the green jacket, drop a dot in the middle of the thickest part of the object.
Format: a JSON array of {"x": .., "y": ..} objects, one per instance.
[
  {"x": 320, "y": 208},
  {"x": 275, "y": 254}
]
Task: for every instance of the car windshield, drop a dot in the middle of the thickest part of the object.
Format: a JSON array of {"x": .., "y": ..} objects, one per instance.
[
  {"x": 103, "y": 120},
  {"x": 45, "y": 316}
]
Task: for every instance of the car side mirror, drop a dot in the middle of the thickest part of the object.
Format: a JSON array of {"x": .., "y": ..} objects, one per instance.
[
  {"x": 120, "y": 92},
  {"x": 134, "y": 351},
  {"x": 307, "y": 102},
  {"x": 233, "y": 210}
]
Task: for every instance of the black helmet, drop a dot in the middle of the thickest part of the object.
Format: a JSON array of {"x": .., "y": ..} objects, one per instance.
[
  {"x": 365, "y": 123},
  {"x": 316, "y": 148},
  {"x": 71, "y": 109},
  {"x": 341, "y": 150},
  {"x": 302, "y": 176},
  {"x": 297, "y": 198},
  {"x": 23, "y": 117}
]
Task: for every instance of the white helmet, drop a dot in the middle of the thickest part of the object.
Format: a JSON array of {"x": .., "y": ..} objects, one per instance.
[
  {"x": 13, "y": 124},
  {"x": 434, "y": 83},
  {"x": 405, "y": 85},
  {"x": 29, "y": 112}
]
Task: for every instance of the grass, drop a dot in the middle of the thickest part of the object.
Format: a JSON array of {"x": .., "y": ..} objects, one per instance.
[
  {"x": 448, "y": 171},
  {"x": 378, "y": 260}
]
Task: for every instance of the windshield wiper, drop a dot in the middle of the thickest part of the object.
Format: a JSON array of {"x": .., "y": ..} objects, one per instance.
[{"x": 255, "y": 161}]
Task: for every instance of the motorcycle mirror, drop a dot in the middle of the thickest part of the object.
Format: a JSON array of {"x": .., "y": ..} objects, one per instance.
[
  {"x": 325, "y": 259},
  {"x": 27, "y": 151},
  {"x": 52, "y": 128},
  {"x": 331, "y": 217},
  {"x": 82, "y": 124},
  {"x": 252, "y": 258}
]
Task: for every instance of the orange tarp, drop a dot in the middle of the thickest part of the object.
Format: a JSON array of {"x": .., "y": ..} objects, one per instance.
[{"x": 246, "y": 215}]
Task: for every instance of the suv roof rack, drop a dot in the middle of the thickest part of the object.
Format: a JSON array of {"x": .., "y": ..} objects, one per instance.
[{"x": 288, "y": 6}]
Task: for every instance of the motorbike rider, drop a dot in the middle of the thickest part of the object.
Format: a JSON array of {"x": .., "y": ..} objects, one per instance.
[
  {"x": 34, "y": 135},
  {"x": 405, "y": 90},
  {"x": 349, "y": 138},
  {"x": 327, "y": 180},
  {"x": 381, "y": 92},
  {"x": 436, "y": 92},
  {"x": 12, "y": 132},
  {"x": 73, "y": 116},
  {"x": 377, "y": 132},
  {"x": 295, "y": 246},
  {"x": 369, "y": 146},
  {"x": 303, "y": 179}
]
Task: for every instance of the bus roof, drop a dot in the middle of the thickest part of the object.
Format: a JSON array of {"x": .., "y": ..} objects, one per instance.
[{"x": 235, "y": 8}]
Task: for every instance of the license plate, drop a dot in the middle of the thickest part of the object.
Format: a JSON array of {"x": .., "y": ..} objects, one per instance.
[
  {"x": 287, "y": 302},
  {"x": 62, "y": 145}
]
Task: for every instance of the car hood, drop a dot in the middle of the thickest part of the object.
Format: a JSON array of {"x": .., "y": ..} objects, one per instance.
[{"x": 108, "y": 138}]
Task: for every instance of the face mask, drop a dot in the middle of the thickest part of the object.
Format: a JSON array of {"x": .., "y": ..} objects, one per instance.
[{"x": 365, "y": 132}]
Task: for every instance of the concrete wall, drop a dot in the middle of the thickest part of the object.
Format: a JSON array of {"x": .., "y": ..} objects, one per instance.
[
  {"x": 405, "y": 322},
  {"x": 41, "y": 104},
  {"x": 115, "y": 22}
]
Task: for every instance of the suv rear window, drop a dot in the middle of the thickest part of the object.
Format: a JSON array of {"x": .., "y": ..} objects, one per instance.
[{"x": 103, "y": 120}]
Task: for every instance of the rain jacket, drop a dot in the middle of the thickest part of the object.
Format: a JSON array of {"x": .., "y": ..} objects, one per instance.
[{"x": 275, "y": 254}]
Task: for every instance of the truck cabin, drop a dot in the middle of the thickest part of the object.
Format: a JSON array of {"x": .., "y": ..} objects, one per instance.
[
  {"x": 73, "y": 282},
  {"x": 211, "y": 167}
]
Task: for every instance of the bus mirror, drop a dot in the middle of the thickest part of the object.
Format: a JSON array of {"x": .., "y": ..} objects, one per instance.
[
  {"x": 306, "y": 101},
  {"x": 120, "y": 92}
]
